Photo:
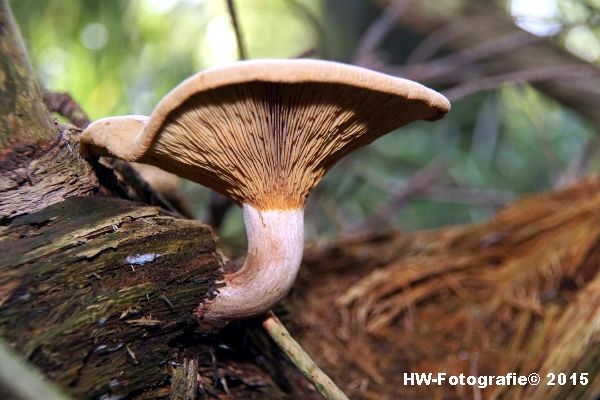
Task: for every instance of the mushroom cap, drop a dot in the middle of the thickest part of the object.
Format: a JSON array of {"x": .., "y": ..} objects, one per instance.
[{"x": 264, "y": 132}]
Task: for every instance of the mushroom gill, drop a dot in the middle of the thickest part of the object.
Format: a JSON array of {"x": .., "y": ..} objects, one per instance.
[{"x": 268, "y": 144}]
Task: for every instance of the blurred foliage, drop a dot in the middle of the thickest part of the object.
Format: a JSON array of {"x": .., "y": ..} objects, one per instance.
[{"x": 122, "y": 56}]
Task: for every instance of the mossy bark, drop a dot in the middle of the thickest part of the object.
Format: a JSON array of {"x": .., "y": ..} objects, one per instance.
[
  {"x": 99, "y": 293},
  {"x": 32, "y": 177},
  {"x": 23, "y": 118}
]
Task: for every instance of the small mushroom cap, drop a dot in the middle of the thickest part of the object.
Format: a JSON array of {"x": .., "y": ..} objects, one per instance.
[{"x": 265, "y": 132}]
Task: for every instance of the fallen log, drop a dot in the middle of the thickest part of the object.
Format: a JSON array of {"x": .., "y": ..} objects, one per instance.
[{"x": 98, "y": 292}]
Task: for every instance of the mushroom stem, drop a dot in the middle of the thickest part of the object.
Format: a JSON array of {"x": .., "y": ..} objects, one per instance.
[{"x": 275, "y": 244}]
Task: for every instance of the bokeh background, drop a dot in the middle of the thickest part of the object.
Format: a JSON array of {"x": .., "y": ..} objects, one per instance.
[{"x": 497, "y": 144}]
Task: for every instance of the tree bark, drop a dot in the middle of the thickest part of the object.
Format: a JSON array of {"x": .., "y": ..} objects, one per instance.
[
  {"x": 99, "y": 293},
  {"x": 32, "y": 177},
  {"x": 23, "y": 118}
]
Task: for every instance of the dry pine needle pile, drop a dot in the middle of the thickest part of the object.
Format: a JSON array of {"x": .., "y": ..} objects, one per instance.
[{"x": 520, "y": 293}]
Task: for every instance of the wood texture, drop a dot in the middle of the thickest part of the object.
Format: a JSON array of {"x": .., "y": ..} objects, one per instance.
[
  {"x": 32, "y": 178},
  {"x": 97, "y": 292},
  {"x": 23, "y": 118}
]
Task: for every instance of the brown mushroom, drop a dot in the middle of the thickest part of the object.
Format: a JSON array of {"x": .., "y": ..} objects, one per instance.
[{"x": 264, "y": 133}]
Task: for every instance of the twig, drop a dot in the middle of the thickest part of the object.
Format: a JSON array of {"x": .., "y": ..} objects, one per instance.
[
  {"x": 531, "y": 75},
  {"x": 65, "y": 105},
  {"x": 441, "y": 37},
  {"x": 237, "y": 29},
  {"x": 301, "y": 359},
  {"x": 379, "y": 29},
  {"x": 437, "y": 40},
  {"x": 504, "y": 44},
  {"x": 21, "y": 382},
  {"x": 416, "y": 185},
  {"x": 314, "y": 21},
  {"x": 306, "y": 53},
  {"x": 442, "y": 66}
]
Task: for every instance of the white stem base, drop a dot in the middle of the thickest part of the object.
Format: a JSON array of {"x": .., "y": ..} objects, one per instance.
[{"x": 275, "y": 244}]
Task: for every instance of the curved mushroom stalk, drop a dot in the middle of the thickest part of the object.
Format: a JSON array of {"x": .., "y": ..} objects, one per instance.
[{"x": 275, "y": 243}]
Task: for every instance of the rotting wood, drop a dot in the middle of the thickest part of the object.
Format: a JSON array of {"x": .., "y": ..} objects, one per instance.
[
  {"x": 184, "y": 383},
  {"x": 23, "y": 118},
  {"x": 76, "y": 277},
  {"x": 32, "y": 178}
]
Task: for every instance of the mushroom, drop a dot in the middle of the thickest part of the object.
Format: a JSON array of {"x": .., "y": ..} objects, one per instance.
[{"x": 264, "y": 133}]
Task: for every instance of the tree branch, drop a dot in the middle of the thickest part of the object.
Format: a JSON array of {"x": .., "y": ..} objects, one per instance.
[
  {"x": 238, "y": 32},
  {"x": 301, "y": 359},
  {"x": 65, "y": 105},
  {"x": 562, "y": 72},
  {"x": 486, "y": 24},
  {"x": 378, "y": 30},
  {"x": 437, "y": 68}
]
